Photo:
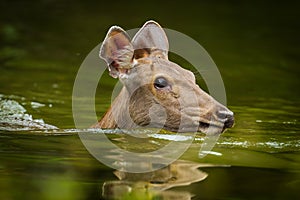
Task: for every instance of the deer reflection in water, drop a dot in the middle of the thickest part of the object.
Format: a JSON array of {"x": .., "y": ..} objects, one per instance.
[{"x": 153, "y": 185}]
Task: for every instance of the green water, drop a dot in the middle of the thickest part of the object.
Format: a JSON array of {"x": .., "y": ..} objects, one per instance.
[{"x": 255, "y": 46}]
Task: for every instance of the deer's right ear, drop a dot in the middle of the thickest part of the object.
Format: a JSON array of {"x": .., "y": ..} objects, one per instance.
[{"x": 117, "y": 51}]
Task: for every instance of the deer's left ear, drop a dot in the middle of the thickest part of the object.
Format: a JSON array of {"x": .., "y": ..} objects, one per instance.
[
  {"x": 152, "y": 39},
  {"x": 117, "y": 51}
]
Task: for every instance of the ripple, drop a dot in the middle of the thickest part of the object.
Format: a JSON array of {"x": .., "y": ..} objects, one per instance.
[{"x": 174, "y": 137}]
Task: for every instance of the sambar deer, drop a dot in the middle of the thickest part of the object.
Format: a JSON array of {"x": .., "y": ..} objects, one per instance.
[{"x": 156, "y": 92}]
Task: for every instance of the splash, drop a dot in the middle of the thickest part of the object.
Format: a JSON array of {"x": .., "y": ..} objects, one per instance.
[{"x": 13, "y": 117}]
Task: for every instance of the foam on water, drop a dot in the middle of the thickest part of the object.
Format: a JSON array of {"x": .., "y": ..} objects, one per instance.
[{"x": 13, "y": 117}]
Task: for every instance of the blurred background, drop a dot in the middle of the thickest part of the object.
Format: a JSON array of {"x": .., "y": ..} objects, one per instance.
[{"x": 255, "y": 44}]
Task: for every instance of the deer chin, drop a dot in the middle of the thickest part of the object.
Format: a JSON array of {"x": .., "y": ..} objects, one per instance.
[
  {"x": 211, "y": 129},
  {"x": 203, "y": 127}
]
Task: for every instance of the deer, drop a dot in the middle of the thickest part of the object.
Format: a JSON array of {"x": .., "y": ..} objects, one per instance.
[{"x": 157, "y": 92}]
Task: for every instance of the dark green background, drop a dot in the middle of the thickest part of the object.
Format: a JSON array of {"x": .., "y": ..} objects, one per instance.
[{"x": 255, "y": 44}]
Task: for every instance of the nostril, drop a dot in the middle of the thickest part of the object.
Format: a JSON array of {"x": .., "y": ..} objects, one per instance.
[
  {"x": 229, "y": 121},
  {"x": 227, "y": 117}
]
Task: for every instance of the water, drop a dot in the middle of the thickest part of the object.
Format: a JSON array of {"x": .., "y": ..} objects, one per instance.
[{"x": 256, "y": 47}]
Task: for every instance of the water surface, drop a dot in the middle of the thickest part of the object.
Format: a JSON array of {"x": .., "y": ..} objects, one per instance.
[{"x": 256, "y": 47}]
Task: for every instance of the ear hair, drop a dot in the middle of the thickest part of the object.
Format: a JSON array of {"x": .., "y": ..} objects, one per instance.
[{"x": 117, "y": 51}]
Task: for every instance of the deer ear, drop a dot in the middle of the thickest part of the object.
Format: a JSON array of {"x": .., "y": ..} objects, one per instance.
[
  {"x": 117, "y": 51},
  {"x": 151, "y": 37}
]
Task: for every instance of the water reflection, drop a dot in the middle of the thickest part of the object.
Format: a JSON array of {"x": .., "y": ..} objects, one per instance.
[{"x": 156, "y": 184}]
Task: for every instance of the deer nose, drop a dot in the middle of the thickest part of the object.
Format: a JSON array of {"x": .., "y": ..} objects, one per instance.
[{"x": 226, "y": 116}]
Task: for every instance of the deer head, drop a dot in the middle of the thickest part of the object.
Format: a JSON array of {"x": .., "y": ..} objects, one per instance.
[{"x": 157, "y": 92}]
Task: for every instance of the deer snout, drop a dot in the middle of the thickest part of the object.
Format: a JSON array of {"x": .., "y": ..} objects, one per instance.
[{"x": 227, "y": 117}]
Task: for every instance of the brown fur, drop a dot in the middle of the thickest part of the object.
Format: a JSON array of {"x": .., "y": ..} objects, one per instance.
[{"x": 179, "y": 105}]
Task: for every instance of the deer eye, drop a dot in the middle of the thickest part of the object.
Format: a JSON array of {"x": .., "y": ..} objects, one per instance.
[{"x": 160, "y": 83}]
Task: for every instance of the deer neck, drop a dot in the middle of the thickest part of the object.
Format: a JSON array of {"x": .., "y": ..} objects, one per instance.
[{"x": 116, "y": 116}]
